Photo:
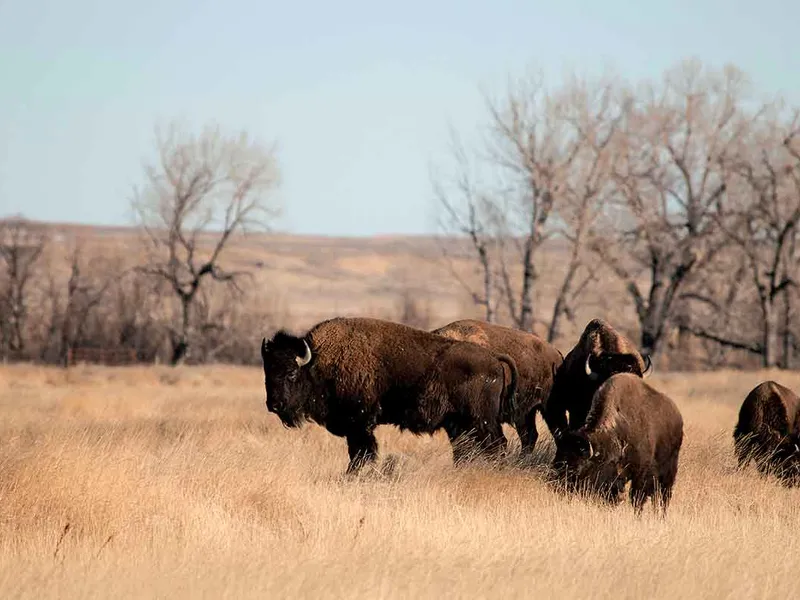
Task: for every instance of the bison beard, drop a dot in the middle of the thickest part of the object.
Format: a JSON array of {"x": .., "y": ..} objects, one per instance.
[
  {"x": 600, "y": 353},
  {"x": 632, "y": 433},
  {"x": 536, "y": 361},
  {"x": 768, "y": 432},
  {"x": 352, "y": 374}
]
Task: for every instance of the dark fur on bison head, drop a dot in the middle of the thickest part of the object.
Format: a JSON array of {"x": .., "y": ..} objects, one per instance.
[
  {"x": 578, "y": 463},
  {"x": 287, "y": 361}
]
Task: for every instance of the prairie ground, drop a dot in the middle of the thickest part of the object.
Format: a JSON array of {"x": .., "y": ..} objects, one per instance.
[{"x": 158, "y": 482}]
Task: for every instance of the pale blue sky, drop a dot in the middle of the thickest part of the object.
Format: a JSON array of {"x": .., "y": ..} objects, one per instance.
[{"x": 358, "y": 94}]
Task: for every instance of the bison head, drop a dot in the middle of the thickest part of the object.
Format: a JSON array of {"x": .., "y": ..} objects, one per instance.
[
  {"x": 573, "y": 449},
  {"x": 286, "y": 361},
  {"x": 600, "y": 353},
  {"x": 601, "y": 366},
  {"x": 580, "y": 462}
]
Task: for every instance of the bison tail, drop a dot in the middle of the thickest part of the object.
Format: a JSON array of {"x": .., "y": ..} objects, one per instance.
[{"x": 508, "y": 404}]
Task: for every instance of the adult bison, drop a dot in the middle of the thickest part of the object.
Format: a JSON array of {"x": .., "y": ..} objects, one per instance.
[
  {"x": 632, "y": 433},
  {"x": 600, "y": 352},
  {"x": 768, "y": 432},
  {"x": 536, "y": 362},
  {"x": 353, "y": 374}
]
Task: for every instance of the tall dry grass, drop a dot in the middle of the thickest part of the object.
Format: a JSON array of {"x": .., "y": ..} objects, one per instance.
[{"x": 148, "y": 482}]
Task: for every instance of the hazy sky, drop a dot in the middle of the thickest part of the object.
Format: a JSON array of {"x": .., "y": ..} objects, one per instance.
[{"x": 358, "y": 94}]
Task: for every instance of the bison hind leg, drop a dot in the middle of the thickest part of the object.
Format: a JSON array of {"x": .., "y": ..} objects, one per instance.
[
  {"x": 745, "y": 448},
  {"x": 362, "y": 448},
  {"x": 528, "y": 434},
  {"x": 469, "y": 441}
]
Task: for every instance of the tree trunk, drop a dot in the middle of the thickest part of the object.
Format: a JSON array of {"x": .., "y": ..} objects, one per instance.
[
  {"x": 180, "y": 344},
  {"x": 770, "y": 335},
  {"x": 787, "y": 330},
  {"x": 526, "y": 299},
  {"x": 561, "y": 301}
]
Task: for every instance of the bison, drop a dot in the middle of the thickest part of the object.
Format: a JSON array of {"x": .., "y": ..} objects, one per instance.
[
  {"x": 352, "y": 374},
  {"x": 768, "y": 432},
  {"x": 536, "y": 362},
  {"x": 632, "y": 433},
  {"x": 600, "y": 352}
]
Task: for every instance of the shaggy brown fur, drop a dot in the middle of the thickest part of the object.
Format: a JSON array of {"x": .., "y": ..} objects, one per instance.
[
  {"x": 606, "y": 351},
  {"x": 352, "y": 374},
  {"x": 536, "y": 361},
  {"x": 632, "y": 433},
  {"x": 768, "y": 432}
]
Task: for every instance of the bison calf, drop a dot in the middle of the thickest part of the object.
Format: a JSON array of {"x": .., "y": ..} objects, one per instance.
[
  {"x": 768, "y": 432},
  {"x": 353, "y": 374},
  {"x": 536, "y": 362},
  {"x": 632, "y": 433}
]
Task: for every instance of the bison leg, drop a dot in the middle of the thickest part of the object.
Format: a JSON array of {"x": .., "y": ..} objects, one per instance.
[
  {"x": 642, "y": 488},
  {"x": 528, "y": 434},
  {"x": 362, "y": 448},
  {"x": 665, "y": 483},
  {"x": 744, "y": 448},
  {"x": 460, "y": 440},
  {"x": 490, "y": 440}
]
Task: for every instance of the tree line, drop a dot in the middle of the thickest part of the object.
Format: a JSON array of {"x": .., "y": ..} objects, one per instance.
[{"x": 684, "y": 190}]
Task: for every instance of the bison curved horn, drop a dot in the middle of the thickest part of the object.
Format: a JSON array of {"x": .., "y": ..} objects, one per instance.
[
  {"x": 588, "y": 369},
  {"x": 306, "y": 358},
  {"x": 591, "y": 449},
  {"x": 648, "y": 367}
]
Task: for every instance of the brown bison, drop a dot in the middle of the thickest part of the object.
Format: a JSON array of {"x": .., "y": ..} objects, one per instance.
[
  {"x": 536, "y": 362},
  {"x": 600, "y": 352},
  {"x": 353, "y": 374},
  {"x": 632, "y": 433},
  {"x": 768, "y": 432}
]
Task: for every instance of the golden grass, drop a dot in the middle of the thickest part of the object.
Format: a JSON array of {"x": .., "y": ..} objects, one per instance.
[{"x": 152, "y": 482}]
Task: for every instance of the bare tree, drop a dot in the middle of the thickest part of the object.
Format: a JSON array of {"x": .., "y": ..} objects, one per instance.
[
  {"x": 595, "y": 113},
  {"x": 203, "y": 191},
  {"x": 22, "y": 243},
  {"x": 547, "y": 156},
  {"x": 669, "y": 183},
  {"x": 533, "y": 149},
  {"x": 762, "y": 220},
  {"x": 89, "y": 281},
  {"x": 470, "y": 213}
]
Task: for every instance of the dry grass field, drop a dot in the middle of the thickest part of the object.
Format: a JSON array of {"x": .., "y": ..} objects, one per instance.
[{"x": 157, "y": 482}]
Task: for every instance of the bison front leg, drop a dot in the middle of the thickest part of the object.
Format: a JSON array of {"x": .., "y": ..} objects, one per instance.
[
  {"x": 362, "y": 448},
  {"x": 643, "y": 487}
]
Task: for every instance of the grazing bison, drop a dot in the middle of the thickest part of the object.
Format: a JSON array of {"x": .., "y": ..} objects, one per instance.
[
  {"x": 536, "y": 362},
  {"x": 600, "y": 352},
  {"x": 632, "y": 433},
  {"x": 768, "y": 432},
  {"x": 353, "y": 374}
]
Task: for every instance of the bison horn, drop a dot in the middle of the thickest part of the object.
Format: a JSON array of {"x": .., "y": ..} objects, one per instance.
[
  {"x": 648, "y": 367},
  {"x": 588, "y": 368},
  {"x": 591, "y": 450},
  {"x": 306, "y": 358}
]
